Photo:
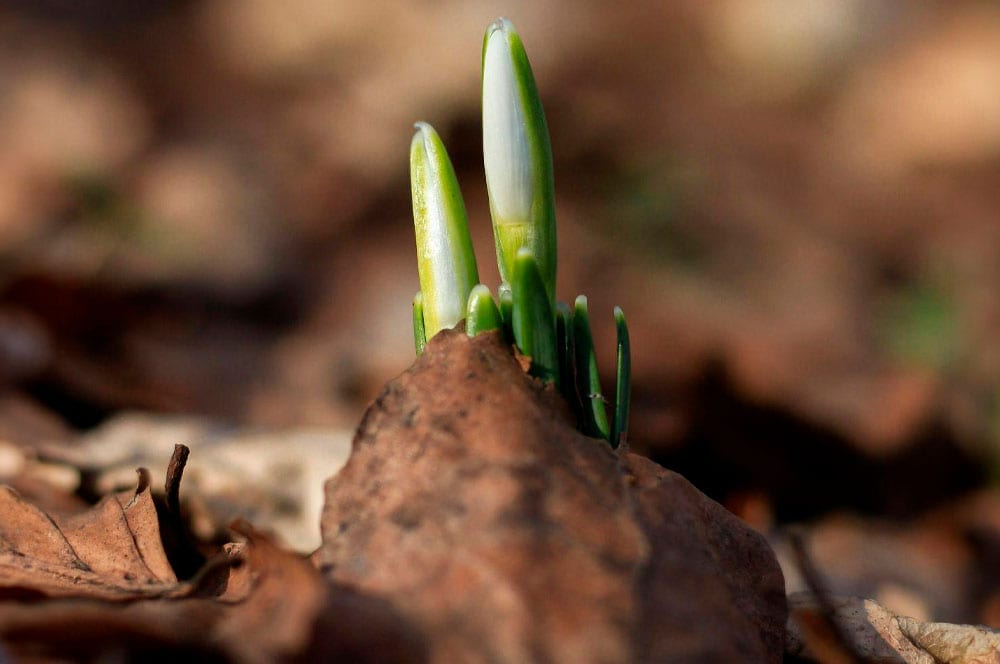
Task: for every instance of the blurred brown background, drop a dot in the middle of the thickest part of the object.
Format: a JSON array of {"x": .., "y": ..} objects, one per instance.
[{"x": 204, "y": 208}]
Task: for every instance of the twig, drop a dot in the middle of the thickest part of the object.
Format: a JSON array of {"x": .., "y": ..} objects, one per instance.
[{"x": 175, "y": 471}]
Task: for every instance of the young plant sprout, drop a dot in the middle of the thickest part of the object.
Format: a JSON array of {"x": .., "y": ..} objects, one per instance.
[
  {"x": 518, "y": 162},
  {"x": 517, "y": 156},
  {"x": 445, "y": 259},
  {"x": 483, "y": 315}
]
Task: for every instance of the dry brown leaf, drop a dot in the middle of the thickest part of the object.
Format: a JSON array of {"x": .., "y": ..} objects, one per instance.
[
  {"x": 271, "y": 477},
  {"x": 103, "y": 587},
  {"x": 873, "y": 632},
  {"x": 276, "y": 597},
  {"x": 280, "y": 606},
  {"x": 255, "y": 603},
  {"x": 507, "y": 536},
  {"x": 111, "y": 551},
  {"x": 879, "y": 636},
  {"x": 953, "y": 644}
]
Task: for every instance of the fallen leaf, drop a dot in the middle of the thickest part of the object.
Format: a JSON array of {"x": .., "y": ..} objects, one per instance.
[
  {"x": 506, "y": 535},
  {"x": 111, "y": 551},
  {"x": 953, "y": 644},
  {"x": 872, "y": 631},
  {"x": 879, "y": 636},
  {"x": 103, "y": 588},
  {"x": 255, "y": 604}
]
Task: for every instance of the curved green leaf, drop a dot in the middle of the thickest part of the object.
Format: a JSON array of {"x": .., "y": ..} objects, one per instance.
[
  {"x": 533, "y": 319},
  {"x": 483, "y": 315},
  {"x": 623, "y": 386},
  {"x": 588, "y": 382}
]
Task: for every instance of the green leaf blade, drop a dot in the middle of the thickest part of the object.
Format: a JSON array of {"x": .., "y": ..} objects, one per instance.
[
  {"x": 419, "y": 332},
  {"x": 483, "y": 314},
  {"x": 588, "y": 382},
  {"x": 505, "y": 298},
  {"x": 533, "y": 320},
  {"x": 623, "y": 384}
]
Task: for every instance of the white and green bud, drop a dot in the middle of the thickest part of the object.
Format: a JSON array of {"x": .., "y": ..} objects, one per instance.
[
  {"x": 517, "y": 156},
  {"x": 446, "y": 262}
]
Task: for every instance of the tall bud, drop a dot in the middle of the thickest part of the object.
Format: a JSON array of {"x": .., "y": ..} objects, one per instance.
[{"x": 517, "y": 156}]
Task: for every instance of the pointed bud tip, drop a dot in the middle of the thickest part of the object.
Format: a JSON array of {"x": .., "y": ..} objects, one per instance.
[
  {"x": 423, "y": 133},
  {"x": 502, "y": 24}
]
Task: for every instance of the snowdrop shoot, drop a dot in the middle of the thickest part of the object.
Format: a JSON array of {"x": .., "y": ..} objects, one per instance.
[
  {"x": 517, "y": 156},
  {"x": 446, "y": 262},
  {"x": 518, "y": 162}
]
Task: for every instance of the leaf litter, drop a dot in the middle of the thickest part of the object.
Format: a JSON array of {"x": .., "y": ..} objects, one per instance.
[{"x": 100, "y": 582}]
